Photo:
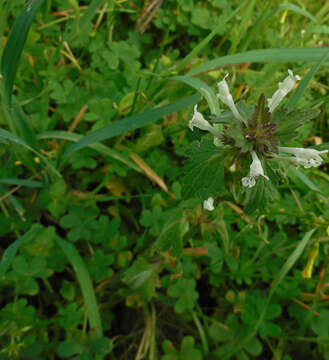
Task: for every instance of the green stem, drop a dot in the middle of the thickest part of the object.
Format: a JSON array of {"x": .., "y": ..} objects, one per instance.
[
  {"x": 153, "y": 333},
  {"x": 201, "y": 332}
]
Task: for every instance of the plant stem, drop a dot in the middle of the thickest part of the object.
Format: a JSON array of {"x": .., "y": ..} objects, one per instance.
[{"x": 201, "y": 332}]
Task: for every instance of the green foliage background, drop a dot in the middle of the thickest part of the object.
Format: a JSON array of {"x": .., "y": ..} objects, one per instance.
[{"x": 106, "y": 254}]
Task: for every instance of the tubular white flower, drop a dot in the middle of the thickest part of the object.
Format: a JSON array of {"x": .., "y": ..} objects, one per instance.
[
  {"x": 256, "y": 170},
  {"x": 305, "y": 157},
  {"x": 209, "y": 204},
  {"x": 284, "y": 88},
  {"x": 226, "y": 97},
  {"x": 199, "y": 121}
]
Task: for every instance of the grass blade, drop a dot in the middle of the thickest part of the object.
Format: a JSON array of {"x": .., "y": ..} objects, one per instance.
[
  {"x": 266, "y": 56},
  {"x": 15, "y": 44},
  {"x": 6, "y": 136},
  {"x": 85, "y": 283},
  {"x": 10, "y": 253},
  {"x": 288, "y": 265},
  {"x": 304, "y": 83},
  {"x": 298, "y": 177},
  {"x": 131, "y": 123},
  {"x": 205, "y": 90},
  {"x": 105, "y": 150},
  {"x": 21, "y": 182},
  {"x": 297, "y": 10}
]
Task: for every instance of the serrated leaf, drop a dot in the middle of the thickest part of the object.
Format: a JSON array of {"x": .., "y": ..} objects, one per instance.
[
  {"x": 204, "y": 171},
  {"x": 288, "y": 122}
]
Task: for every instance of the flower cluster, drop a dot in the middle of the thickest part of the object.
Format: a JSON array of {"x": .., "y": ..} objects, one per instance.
[{"x": 254, "y": 131}]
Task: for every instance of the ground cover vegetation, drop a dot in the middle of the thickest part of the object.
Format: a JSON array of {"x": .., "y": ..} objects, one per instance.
[{"x": 125, "y": 234}]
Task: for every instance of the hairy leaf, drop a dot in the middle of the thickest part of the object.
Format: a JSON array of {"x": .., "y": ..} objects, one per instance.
[{"x": 204, "y": 170}]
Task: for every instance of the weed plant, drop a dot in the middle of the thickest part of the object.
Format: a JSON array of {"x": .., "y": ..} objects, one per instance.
[{"x": 124, "y": 234}]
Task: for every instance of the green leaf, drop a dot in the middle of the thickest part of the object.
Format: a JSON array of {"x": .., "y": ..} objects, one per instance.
[
  {"x": 10, "y": 252},
  {"x": 253, "y": 347},
  {"x": 287, "y": 266},
  {"x": 15, "y": 44},
  {"x": 220, "y": 332},
  {"x": 320, "y": 325},
  {"x": 204, "y": 42},
  {"x": 266, "y": 56},
  {"x": 297, "y": 10},
  {"x": 85, "y": 283},
  {"x": 171, "y": 235},
  {"x": 6, "y": 136},
  {"x": 184, "y": 290},
  {"x": 188, "y": 350},
  {"x": 105, "y": 150},
  {"x": 81, "y": 221},
  {"x": 216, "y": 258},
  {"x": 206, "y": 91},
  {"x": 299, "y": 178},
  {"x": 142, "y": 277},
  {"x": 204, "y": 170},
  {"x": 21, "y": 182},
  {"x": 288, "y": 122},
  {"x": 297, "y": 94},
  {"x": 68, "y": 348},
  {"x": 131, "y": 123},
  {"x": 33, "y": 268},
  {"x": 99, "y": 265}
]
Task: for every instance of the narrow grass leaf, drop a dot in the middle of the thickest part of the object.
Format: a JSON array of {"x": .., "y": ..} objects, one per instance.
[
  {"x": 23, "y": 127},
  {"x": 102, "y": 149},
  {"x": 21, "y": 182},
  {"x": 258, "y": 26},
  {"x": 290, "y": 262},
  {"x": 318, "y": 29},
  {"x": 298, "y": 93},
  {"x": 15, "y": 203},
  {"x": 297, "y": 176},
  {"x": 205, "y": 90},
  {"x": 15, "y": 44},
  {"x": 243, "y": 26},
  {"x": 131, "y": 123},
  {"x": 297, "y": 10},
  {"x": 6, "y": 136},
  {"x": 85, "y": 283},
  {"x": 10, "y": 253},
  {"x": 266, "y": 56}
]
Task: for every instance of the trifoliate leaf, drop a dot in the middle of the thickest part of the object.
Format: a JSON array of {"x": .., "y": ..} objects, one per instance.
[
  {"x": 204, "y": 171},
  {"x": 184, "y": 290}
]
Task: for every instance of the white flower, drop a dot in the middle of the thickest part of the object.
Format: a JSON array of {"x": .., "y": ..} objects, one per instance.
[
  {"x": 256, "y": 170},
  {"x": 209, "y": 204},
  {"x": 305, "y": 157},
  {"x": 284, "y": 88},
  {"x": 199, "y": 121},
  {"x": 226, "y": 97}
]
